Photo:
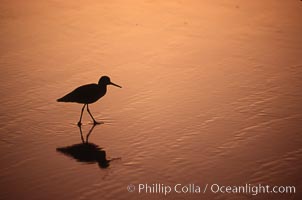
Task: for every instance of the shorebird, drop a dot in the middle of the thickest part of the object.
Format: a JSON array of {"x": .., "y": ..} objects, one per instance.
[{"x": 88, "y": 94}]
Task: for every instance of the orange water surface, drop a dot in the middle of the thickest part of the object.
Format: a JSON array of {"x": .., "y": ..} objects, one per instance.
[{"x": 211, "y": 95}]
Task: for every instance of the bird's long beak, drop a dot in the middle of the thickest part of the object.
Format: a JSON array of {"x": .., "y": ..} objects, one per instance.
[{"x": 115, "y": 85}]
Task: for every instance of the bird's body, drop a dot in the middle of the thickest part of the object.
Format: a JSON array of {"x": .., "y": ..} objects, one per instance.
[
  {"x": 85, "y": 94},
  {"x": 88, "y": 94}
]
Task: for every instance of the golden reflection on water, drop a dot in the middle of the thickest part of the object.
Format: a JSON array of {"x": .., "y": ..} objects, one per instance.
[{"x": 211, "y": 94}]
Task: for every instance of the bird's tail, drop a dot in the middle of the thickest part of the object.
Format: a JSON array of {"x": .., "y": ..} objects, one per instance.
[
  {"x": 60, "y": 100},
  {"x": 67, "y": 98},
  {"x": 64, "y": 99}
]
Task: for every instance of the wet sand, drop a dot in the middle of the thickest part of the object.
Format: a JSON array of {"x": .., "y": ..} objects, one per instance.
[{"x": 211, "y": 95}]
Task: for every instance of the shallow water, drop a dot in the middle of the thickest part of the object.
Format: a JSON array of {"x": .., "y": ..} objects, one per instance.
[{"x": 211, "y": 94}]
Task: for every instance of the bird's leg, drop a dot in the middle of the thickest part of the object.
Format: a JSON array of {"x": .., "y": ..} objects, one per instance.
[
  {"x": 95, "y": 122},
  {"x": 80, "y": 122},
  {"x": 90, "y": 131},
  {"x": 81, "y": 133}
]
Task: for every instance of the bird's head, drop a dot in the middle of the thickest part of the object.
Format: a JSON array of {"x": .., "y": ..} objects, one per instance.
[{"x": 105, "y": 80}]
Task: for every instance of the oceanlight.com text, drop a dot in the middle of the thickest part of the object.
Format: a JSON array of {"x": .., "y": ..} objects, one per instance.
[{"x": 250, "y": 189}]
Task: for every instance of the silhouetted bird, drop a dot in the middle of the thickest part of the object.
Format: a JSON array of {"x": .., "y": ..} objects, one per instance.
[{"x": 87, "y": 94}]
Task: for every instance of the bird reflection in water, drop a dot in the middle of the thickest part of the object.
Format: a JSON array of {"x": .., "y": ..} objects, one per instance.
[{"x": 86, "y": 152}]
